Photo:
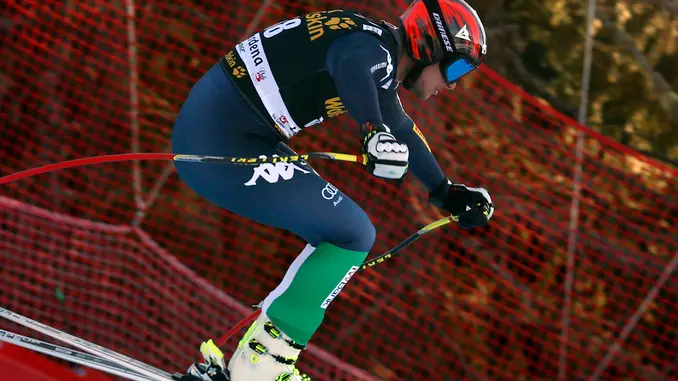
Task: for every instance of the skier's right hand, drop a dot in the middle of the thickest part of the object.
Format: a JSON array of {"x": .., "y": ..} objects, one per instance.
[{"x": 387, "y": 158}]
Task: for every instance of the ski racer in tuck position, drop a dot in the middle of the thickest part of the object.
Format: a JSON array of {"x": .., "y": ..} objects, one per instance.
[{"x": 295, "y": 75}]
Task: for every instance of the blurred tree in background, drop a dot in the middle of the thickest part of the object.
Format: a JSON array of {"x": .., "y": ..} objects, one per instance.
[
  {"x": 539, "y": 45},
  {"x": 65, "y": 92}
]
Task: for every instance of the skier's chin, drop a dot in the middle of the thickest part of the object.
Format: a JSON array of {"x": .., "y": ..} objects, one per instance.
[
  {"x": 418, "y": 91},
  {"x": 421, "y": 95}
]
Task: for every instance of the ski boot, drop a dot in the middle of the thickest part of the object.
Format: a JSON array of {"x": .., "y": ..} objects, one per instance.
[{"x": 265, "y": 353}]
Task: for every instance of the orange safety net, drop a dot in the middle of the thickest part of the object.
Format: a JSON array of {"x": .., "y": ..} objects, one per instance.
[{"x": 125, "y": 255}]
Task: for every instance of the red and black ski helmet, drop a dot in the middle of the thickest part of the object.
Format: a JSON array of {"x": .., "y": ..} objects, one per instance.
[{"x": 444, "y": 31}]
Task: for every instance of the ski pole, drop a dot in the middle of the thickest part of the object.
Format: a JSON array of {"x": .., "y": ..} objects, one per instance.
[
  {"x": 361, "y": 159},
  {"x": 365, "y": 265}
]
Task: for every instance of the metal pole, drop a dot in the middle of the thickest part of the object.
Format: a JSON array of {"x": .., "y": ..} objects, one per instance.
[
  {"x": 576, "y": 192},
  {"x": 134, "y": 100}
]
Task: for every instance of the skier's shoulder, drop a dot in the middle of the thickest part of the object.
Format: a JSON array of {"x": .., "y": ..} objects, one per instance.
[
  {"x": 365, "y": 33},
  {"x": 367, "y": 50},
  {"x": 357, "y": 43}
]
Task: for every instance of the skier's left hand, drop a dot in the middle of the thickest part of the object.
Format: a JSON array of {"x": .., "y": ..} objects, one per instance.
[
  {"x": 212, "y": 369},
  {"x": 471, "y": 207}
]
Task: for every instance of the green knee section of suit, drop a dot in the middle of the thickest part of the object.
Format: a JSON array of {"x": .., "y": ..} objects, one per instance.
[{"x": 300, "y": 310}]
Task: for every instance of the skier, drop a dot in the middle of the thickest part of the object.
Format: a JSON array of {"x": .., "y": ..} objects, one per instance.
[{"x": 297, "y": 74}]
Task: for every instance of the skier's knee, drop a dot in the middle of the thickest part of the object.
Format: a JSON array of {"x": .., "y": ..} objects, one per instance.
[
  {"x": 368, "y": 237},
  {"x": 360, "y": 236}
]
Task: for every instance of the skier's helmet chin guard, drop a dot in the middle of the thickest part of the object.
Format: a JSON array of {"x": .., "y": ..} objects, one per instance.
[{"x": 444, "y": 32}]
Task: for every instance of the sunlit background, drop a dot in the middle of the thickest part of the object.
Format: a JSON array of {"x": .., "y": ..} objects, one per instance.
[{"x": 574, "y": 279}]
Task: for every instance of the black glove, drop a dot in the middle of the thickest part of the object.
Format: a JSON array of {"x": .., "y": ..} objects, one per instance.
[{"x": 471, "y": 207}]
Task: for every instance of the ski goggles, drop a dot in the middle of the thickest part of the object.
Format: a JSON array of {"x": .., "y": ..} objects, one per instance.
[{"x": 456, "y": 68}]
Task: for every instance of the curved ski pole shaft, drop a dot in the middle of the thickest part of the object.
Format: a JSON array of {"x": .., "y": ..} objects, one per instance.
[
  {"x": 365, "y": 265},
  {"x": 361, "y": 159},
  {"x": 146, "y": 370}
]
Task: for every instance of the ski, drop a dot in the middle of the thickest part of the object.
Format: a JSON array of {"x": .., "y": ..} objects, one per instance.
[
  {"x": 151, "y": 373},
  {"x": 70, "y": 355}
]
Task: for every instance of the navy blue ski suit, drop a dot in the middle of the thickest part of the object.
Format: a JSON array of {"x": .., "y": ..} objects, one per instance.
[{"x": 217, "y": 120}]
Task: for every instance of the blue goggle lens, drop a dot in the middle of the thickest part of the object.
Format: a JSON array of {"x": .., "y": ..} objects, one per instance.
[{"x": 457, "y": 69}]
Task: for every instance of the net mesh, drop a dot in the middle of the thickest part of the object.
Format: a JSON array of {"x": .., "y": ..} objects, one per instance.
[{"x": 125, "y": 255}]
